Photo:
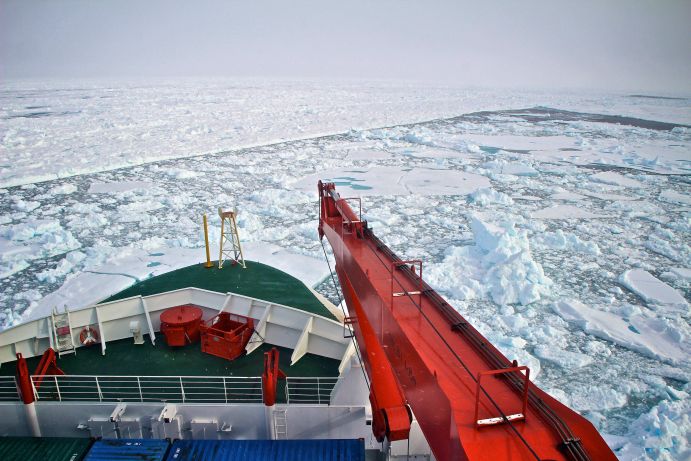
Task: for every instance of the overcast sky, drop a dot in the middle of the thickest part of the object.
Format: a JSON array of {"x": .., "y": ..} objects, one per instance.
[{"x": 598, "y": 44}]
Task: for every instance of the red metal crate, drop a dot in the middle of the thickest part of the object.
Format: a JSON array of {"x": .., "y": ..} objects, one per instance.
[{"x": 226, "y": 335}]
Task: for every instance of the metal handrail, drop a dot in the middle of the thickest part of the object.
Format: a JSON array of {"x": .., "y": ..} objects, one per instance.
[
  {"x": 310, "y": 390},
  {"x": 183, "y": 389},
  {"x": 8, "y": 389}
]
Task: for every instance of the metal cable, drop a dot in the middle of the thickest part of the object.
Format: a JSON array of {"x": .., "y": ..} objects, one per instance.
[{"x": 340, "y": 303}]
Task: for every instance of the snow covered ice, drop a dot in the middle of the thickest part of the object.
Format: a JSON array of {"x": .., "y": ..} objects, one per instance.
[{"x": 558, "y": 224}]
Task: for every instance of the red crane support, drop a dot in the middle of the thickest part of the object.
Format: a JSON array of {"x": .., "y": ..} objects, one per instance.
[
  {"x": 270, "y": 377},
  {"x": 471, "y": 402},
  {"x": 47, "y": 366}
]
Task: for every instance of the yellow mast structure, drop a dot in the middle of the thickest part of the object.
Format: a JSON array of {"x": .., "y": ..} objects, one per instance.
[{"x": 208, "y": 264}]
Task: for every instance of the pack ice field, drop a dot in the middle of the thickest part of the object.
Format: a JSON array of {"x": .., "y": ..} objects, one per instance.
[{"x": 559, "y": 225}]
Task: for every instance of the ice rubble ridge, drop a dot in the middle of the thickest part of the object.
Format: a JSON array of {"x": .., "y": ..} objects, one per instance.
[{"x": 499, "y": 266}]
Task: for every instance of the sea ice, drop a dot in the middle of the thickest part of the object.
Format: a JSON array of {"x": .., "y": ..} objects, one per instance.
[
  {"x": 567, "y": 196},
  {"x": 596, "y": 398},
  {"x": 499, "y": 266},
  {"x": 368, "y": 154},
  {"x": 610, "y": 177},
  {"x": 565, "y": 359},
  {"x": 35, "y": 238},
  {"x": 654, "y": 292},
  {"x": 151, "y": 216},
  {"x": 510, "y": 168},
  {"x": 397, "y": 181},
  {"x": 487, "y": 195},
  {"x": 120, "y": 186},
  {"x": 661, "y": 434},
  {"x": 560, "y": 240},
  {"x": 63, "y": 189},
  {"x": 651, "y": 336},
  {"x": 680, "y": 275},
  {"x": 673, "y": 196},
  {"x": 612, "y": 197},
  {"x": 565, "y": 212}
]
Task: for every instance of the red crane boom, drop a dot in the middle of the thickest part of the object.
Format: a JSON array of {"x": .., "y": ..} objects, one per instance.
[{"x": 423, "y": 358}]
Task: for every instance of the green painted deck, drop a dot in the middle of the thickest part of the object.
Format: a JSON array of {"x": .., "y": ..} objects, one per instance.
[
  {"x": 257, "y": 281},
  {"x": 43, "y": 448}
]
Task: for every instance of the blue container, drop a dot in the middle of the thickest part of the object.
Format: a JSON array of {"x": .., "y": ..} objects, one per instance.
[
  {"x": 267, "y": 450},
  {"x": 128, "y": 449}
]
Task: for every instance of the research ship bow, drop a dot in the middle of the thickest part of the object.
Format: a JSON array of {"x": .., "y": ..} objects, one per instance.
[{"x": 216, "y": 361}]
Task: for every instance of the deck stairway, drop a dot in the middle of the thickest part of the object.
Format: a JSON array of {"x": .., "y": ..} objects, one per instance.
[
  {"x": 280, "y": 423},
  {"x": 62, "y": 330}
]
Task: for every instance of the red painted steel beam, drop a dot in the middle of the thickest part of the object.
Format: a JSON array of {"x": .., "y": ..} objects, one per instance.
[
  {"x": 24, "y": 380},
  {"x": 419, "y": 351},
  {"x": 46, "y": 366},
  {"x": 270, "y": 377}
]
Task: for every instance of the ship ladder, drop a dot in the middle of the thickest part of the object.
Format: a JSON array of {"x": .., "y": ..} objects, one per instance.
[
  {"x": 62, "y": 331},
  {"x": 280, "y": 423}
]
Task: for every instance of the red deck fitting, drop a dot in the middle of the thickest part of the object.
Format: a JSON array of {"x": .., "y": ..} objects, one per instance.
[
  {"x": 180, "y": 324},
  {"x": 270, "y": 377},
  {"x": 46, "y": 366},
  {"x": 226, "y": 335}
]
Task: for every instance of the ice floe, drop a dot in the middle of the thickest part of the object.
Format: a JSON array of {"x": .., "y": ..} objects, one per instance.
[
  {"x": 651, "y": 336},
  {"x": 563, "y": 358},
  {"x": 673, "y": 196},
  {"x": 653, "y": 291},
  {"x": 565, "y": 212},
  {"x": 487, "y": 195},
  {"x": 610, "y": 177},
  {"x": 560, "y": 240},
  {"x": 397, "y": 181},
  {"x": 35, "y": 238}
]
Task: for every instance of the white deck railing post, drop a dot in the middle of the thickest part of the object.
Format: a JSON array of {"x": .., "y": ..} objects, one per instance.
[
  {"x": 57, "y": 388},
  {"x": 139, "y": 386},
  {"x": 152, "y": 333},
  {"x": 98, "y": 388},
  {"x": 101, "y": 331}
]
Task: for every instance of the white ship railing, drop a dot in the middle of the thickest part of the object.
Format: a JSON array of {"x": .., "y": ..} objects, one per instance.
[
  {"x": 176, "y": 389},
  {"x": 309, "y": 390},
  {"x": 184, "y": 389},
  {"x": 8, "y": 389}
]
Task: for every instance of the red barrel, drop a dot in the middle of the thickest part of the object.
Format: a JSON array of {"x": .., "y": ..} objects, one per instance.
[{"x": 180, "y": 324}]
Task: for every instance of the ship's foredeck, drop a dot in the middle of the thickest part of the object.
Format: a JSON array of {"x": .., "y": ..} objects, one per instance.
[
  {"x": 123, "y": 358},
  {"x": 257, "y": 281}
]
